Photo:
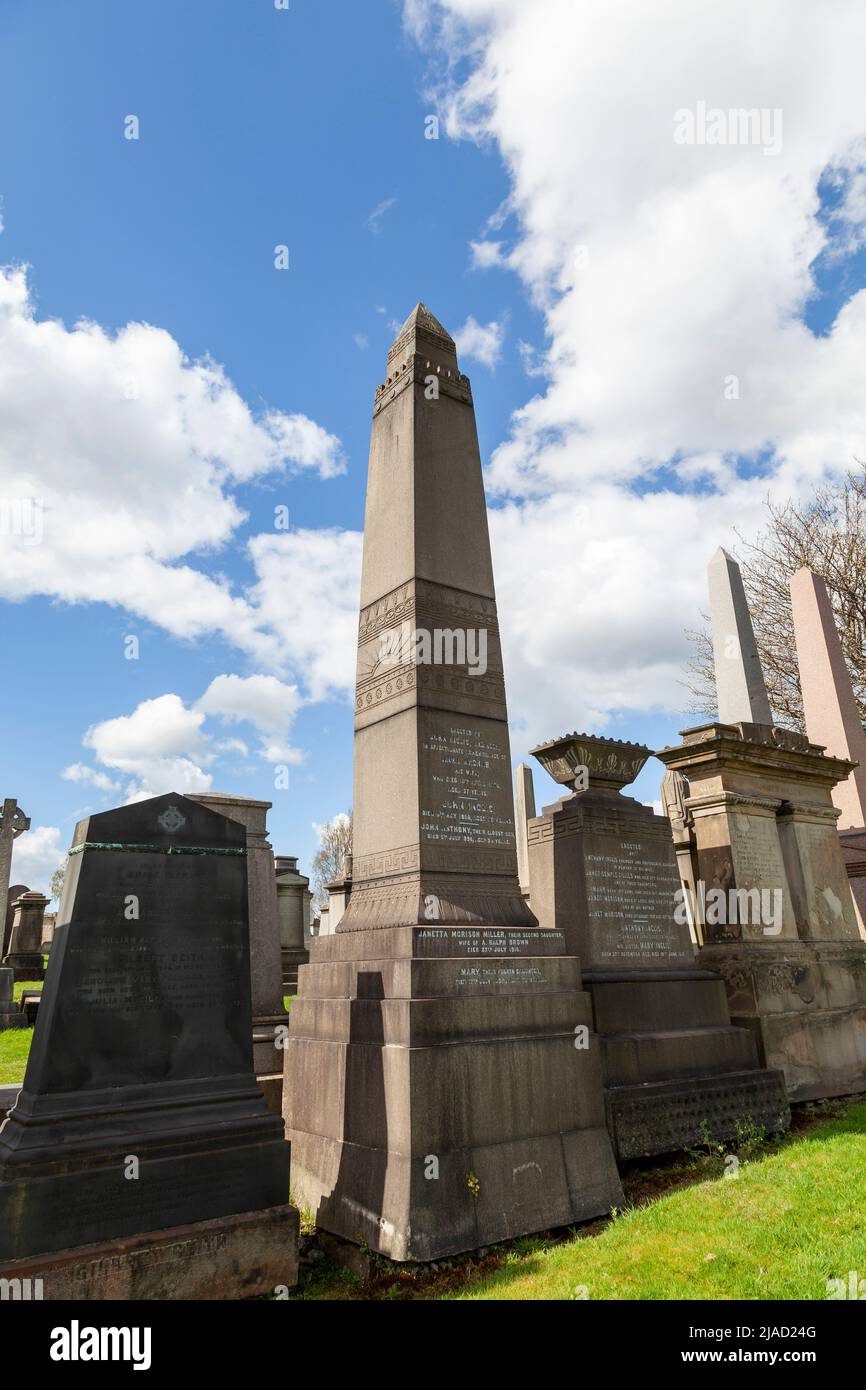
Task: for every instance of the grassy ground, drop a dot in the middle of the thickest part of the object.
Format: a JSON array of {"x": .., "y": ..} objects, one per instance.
[
  {"x": 793, "y": 1217},
  {"x": 19, "y": 988},
  {"x": 14, "y": 1047}
]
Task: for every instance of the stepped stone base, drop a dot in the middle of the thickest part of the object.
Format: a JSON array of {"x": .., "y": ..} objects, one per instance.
[
  {"x": 434, "y": 1094},
  {"x": 667, "y": 1116},
  {"x": 676, "y": 1071},
  {"x": 244, "y": 1256}
]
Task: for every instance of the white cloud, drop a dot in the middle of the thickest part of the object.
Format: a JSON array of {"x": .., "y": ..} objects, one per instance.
[
  {"x": 263, "y": 701},
  {"x": 79, "y": 772},
  {"x": 483, "y": 341},
  {"x": 486, "y": 254},
  {"x": 160, "y": 747},
  {"x": 317, "y": 631},
  {"x": 662, "y": 270},
  {"x": 131, "y": 451},
  {"x": 35, "y": 856}
]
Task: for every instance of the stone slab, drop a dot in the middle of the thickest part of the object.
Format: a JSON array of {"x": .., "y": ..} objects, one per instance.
[{"x": 248, "y": 1255}]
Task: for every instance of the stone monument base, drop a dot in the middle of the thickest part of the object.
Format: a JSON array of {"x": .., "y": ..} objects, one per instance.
[
  {"x": 25, "y": 967},
  {"x": 806, "y": 1004},
  {"x": 853, "y": 844},
  {"x": 443, "y": 1089},
  {"x": 232, "y": 1257},
  {"x": 676, "y": 1072}
]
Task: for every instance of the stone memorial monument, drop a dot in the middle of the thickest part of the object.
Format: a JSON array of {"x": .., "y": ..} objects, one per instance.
[
  {"x": 603, "y": 872},
  {"x": 524, "y": 811},
  {"x": 771, "y": 894},
  {"x": 24, "y": 956},
  {"x": 833, "y": 718},
  {"x": 442, "y": 1081},
  {"x": 140, "y": 1159},
  {"x": 13, "y": 823},
  {"x": 293, "y": 912},
  {"x": 13, "y": 894},
  {"x": 269, "y": 1014}
]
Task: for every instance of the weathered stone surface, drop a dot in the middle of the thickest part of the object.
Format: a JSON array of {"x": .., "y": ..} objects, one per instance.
[
  {"x": 524, "y": 811},
  {"x": 435, "y": 1094},
  {"x": 13, "y": 823},
  {"x": 831, "y": 713},
  {"x": 14, "y": 892},
  {"x": 142, "y": 1048},
  {"x": 269, "y": 1014},
  {"x": 249, "y": 1255},
  {"x": 760, "y": 818},
  {"x": 24, "y": 956},
  {"x": 603, "y": 872},
  {"x": 293, "y": 915},
  {"x": 10, "y": 1014},
  {"x": 740, "y": 689}
]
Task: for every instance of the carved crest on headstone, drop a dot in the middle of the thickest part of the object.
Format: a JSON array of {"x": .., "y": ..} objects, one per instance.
[{"x": 171, "y": 819}]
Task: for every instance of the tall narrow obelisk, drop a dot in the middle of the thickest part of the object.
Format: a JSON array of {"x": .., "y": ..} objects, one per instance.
[
  {"x": 442, "y": 1078},
  {"x": 433, "y": 836}
]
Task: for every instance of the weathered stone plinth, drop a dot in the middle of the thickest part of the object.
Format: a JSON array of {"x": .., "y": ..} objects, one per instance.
[
  {"x": 139, "y": 1109},
  {"x": 293, "y": 914},
  {"x": 602, "y": 871},
  {"x": 24, "y": 956},
  {"x": 760, "y": 820},
  {"x": 269, "y": 1015},
  {"x": 436, "y": 1097},
  {"x": 245, "y": 1256}
]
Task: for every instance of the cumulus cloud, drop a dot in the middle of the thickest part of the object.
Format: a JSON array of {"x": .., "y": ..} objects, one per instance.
[
  {"x": 486, "y": 254},
  {"x": 682, "y": 383},
  {"x": 118, "y": 456},
  {"x": 160, "y": 747},
  {"x": 80, "y": 772},
  {"x": 35, "y": 856},
  {"x": 267, "y": 703},
  {"x": 483, "y": 341}
]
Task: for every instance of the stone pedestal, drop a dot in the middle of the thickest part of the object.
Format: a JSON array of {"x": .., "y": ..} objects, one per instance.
[
  {"x": 293, "y": 912},
  {"x": 140, "y": 1110},
  {"x": 24, "y": 956},
  {"x": 249, "y": 1255},
  {"x": 266, "y": 975},
  {"x": 602, "y": 869},
  {"x": 10, "y": 1014},
  {"x": 762, "y": 824},
  {"x": 437, "y": 1095},
  {"x": 442, "y": 1083}
]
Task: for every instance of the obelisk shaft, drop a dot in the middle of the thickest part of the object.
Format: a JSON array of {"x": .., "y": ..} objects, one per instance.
[
  {"x": 433, "y": 812},
  {"x": 830, "y": 709},
  {"x": 741, "y": 691}
]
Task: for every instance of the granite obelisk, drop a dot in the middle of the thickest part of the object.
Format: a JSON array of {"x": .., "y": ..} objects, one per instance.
[
  {"x": 742, "y": 694},
  {"x": 831, "y": 713},
  {"x": 442, "y": 1079}
]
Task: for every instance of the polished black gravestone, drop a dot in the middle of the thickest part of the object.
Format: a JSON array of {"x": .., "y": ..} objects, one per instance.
[{"x": 140, "y": 1109}]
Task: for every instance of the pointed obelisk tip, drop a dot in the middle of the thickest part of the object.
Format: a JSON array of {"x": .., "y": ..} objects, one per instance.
[
  {"x": 421, "y": 320},
  {"x": 722, "y": 557}
]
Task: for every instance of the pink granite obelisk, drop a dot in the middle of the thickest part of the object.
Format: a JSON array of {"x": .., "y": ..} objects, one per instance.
[{"x": 832, "y": 715}]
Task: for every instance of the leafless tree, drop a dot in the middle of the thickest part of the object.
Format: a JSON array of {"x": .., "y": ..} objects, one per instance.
[
  {"x": 335, "y": 844},
  {"x": 828, "y": 534}
]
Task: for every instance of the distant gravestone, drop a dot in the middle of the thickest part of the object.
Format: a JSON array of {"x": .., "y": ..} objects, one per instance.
[
  {"x": 140, "y": 1110},
  {"x": 14, "y": 892},
  {"x": 13, "y": 823},
  {"x": 10, "y": 1014},
  {"x": 24, "y": 955}
]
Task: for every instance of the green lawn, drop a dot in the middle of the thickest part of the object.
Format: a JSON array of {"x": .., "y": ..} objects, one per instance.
[
  {"x": 793, "y": 1218},
  {"x": 19, "y": 988},
  {"x": 14, "y": 1047}
]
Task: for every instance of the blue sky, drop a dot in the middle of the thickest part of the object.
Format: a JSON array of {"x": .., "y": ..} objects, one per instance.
[{"x": 261, "y": 127}]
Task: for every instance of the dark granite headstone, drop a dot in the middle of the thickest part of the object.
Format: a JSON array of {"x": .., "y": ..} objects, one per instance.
[{"x": 140, "y": 1110}]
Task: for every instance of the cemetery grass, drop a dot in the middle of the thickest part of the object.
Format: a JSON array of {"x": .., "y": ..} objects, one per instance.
[
  {"x": 790, "y": 1220},
  {"x": 14, "y": 1049}
]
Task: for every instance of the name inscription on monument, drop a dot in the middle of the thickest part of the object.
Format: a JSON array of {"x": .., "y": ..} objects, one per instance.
[
  {"x": 631, "y": 886},
  {"x": 468, "y": 790},
  {"x": 488, "y": 941}
]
